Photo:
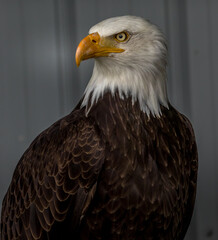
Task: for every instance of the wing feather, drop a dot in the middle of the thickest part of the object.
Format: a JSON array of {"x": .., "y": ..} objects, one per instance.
[{"x": 53, "y": 179}]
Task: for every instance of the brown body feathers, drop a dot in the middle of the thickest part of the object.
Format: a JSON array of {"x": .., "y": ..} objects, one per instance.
[{"x": 114, "y": 174}]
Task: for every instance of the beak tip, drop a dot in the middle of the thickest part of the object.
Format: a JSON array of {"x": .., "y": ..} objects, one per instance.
[{"x": 78, "y": 60}]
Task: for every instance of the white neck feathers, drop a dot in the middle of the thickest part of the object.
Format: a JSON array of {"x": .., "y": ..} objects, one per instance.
[{"x": 147, "y": 86}]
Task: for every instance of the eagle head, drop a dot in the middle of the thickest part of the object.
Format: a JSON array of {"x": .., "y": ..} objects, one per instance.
[{"x": 130, "y": 57}]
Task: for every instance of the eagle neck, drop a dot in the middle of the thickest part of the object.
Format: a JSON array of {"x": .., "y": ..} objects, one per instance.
[{"x": 143, "y": 85}]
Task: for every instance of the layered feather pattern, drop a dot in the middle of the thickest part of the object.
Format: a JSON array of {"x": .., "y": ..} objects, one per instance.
[
  {"x": 52, "y": 180},
  {"x": 114, "y": 174},
  {"x": 147, "y": 187}
]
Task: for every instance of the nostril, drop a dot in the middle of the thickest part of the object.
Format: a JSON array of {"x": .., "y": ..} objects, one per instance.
[{"x": 93, "y": 40}]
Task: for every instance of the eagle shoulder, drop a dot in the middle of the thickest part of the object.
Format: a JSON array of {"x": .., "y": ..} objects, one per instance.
[{"x": 55, "y": 177}]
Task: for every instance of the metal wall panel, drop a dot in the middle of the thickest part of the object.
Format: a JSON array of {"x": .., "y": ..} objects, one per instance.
[
  {"x": 202, "y": 19},
  {"x": 41, "y": 64},
  {"x": 39, "y": 80},
  {"x": 13, "y": 102},
  {"x": 66, "y": 37}
]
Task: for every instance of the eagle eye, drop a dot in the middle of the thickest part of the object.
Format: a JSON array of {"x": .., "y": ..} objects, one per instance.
[{"x": 122, "y": 36}]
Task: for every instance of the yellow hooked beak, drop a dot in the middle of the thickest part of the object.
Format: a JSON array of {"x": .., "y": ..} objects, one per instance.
[{"x": 94, "y": 46}]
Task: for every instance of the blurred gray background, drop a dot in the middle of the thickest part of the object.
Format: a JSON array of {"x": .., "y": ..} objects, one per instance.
[{"x": 39, "y": 80}]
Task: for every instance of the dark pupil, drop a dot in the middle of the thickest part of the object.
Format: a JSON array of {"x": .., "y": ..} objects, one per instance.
[{"x": 121, "y": 36}]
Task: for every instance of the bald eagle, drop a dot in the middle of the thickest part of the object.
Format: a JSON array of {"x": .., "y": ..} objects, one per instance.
[{"x": 122, "y": 164}]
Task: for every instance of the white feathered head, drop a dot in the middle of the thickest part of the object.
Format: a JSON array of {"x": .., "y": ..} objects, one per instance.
[{"x": 130, "y": 57}]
